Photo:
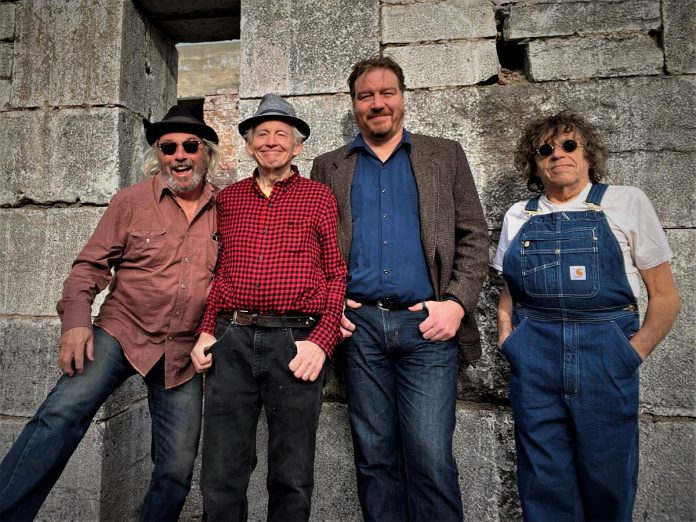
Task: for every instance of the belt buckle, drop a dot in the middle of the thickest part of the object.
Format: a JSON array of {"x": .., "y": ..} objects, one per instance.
[{"x": 384, "y": 304}]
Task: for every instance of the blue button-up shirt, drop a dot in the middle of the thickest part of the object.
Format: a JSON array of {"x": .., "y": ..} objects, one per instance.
[{"x": 386, "y": 256}]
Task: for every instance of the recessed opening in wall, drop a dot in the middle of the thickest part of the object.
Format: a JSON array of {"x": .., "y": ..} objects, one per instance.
[{"x": 511, "y": 55}]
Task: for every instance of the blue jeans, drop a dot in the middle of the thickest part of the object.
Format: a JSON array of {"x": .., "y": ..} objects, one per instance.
[
  {"x": 250, "y": 370},
  {"x": 574, "y": 396},
  {"x": 41, "y": 452},
  {"x": 401, "y": 392}
]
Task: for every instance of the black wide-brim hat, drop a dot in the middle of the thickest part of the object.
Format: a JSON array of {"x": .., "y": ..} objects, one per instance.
[
  {"x": 273, "y": 107},
  {"x": 179, "y": 119}
]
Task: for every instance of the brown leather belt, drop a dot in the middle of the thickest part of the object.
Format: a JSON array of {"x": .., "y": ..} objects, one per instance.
[{"x": 246, "y": 318}]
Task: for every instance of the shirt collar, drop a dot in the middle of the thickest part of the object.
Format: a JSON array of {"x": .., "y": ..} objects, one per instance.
[
  {"x": 280, "y": 185},
  {"x": 359, "y": 145}
]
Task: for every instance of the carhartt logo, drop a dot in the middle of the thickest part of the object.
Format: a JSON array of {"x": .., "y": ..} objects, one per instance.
[{"x": 577, "y": 273}]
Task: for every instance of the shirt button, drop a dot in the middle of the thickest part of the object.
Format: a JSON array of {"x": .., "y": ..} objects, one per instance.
[
  {"x": 386, "y": 272},
  {"x": 384, "y": 190},
  {"x": 186, "y": 260},
  {"x": 385, "y": 242},
  {"x": 257, "y": 285},
  {"x": 384, "y": 215},
  {"x": 260, "y": 258},
  {"x": 265, "y": 231},
  {"x": 170, "y": 338},
  {"x": 183, "y": 286}
]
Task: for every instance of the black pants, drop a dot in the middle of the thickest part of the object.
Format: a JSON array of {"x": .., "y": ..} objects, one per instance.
[{"x": 250, "y": 370}]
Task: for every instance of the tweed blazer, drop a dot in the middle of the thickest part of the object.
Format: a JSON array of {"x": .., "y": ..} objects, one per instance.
[{"x": 453, "y": 228}]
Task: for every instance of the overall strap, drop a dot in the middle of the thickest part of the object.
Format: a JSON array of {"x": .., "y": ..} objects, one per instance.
[
  {"x": 594, "y": 198},
  {"x": 532, "y": 207}
]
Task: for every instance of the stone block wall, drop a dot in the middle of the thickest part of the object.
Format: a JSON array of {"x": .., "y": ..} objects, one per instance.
[{"x": 72, "y": 98}]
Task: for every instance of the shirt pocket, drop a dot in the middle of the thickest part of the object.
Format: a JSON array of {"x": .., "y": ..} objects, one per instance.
[
  {"x": 147, "y": 246},
  {"x": 295, "y": 236},
  {"x": 561, "y": 264}
]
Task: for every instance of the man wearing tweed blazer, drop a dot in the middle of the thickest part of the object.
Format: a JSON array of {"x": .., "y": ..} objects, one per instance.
[{"x": 412, "y": 231}]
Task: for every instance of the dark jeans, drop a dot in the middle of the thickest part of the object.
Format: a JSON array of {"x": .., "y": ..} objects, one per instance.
[
  {"x": 250, "y": 370},
  {"x": 41, "y": 452},
  {"x": 401, "y": 392}
]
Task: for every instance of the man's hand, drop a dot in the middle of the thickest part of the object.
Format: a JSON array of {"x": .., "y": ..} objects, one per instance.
[
  {"x": 75, "y": 344},
  {"x": 308, "y": 362},
  {"x": 444, "y": 318},
  {"x": 504, "y": 332},
  {"x": 202, "y": 361},
  {"x": 347, "y": 328}
]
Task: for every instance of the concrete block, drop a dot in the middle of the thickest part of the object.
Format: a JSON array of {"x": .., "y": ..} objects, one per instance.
[
  {"x": 537, "y": 19},
  {"x": 68, "y": 155},
  {"x": 593, "y": 56},
  {"x": 304, "y": 47},
  {"x": 51, "y": 239},
  {"x": 668, "y": 379},
  {"x": 667, "y": 479},
  {"x": 6, "y": 59},
  {"x": 206, "y": 68},
  {"x": 449, "y": 20},
  {"x": 76, "y": 494},
  {"x": 467, "y": 63},
  {"x": 7, "y": 21},
  {"x": 5, "y": 89},
  {"x": 633, "y": 115},
  {"x": 29, "y": 362},
  {"x": 130, "y": 62},
  {"x": 679, "y": 36},
  {"x": 127, "y": 465}
]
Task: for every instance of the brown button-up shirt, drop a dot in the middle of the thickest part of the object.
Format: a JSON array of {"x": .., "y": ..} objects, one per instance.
[{"x": 159, "y": 269}]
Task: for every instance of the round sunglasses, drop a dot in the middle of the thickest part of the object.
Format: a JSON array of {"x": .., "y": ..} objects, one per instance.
[
  {"x": 546, "y": 149},
  {"x": 168, "y": 148}
]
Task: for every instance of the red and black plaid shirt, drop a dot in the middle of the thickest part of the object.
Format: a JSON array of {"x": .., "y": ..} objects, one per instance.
[{"x": 280, "y": 255}]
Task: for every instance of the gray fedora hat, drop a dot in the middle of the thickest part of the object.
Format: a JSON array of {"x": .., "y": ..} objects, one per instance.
[
  {"x": 273, "y": 107},
  {"x": 179, "y": 119}
]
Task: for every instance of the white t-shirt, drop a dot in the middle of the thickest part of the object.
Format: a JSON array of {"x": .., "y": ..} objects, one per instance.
[{"x": 631, "y": 218}]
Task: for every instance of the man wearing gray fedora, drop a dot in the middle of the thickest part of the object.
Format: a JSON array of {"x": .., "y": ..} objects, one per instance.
[
  {"x": 271, "y": 320},
  {"x": 154, "y": 247}
]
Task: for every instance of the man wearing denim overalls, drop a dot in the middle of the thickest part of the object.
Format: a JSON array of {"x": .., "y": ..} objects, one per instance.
[{"x": 568, "y": 323}]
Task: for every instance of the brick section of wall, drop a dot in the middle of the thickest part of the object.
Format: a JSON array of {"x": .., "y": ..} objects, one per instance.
[
  {"x": 544, "y": 19},
  {"x": 596, "y": 56},
  {"x": 448, "y": 20},
  {"x": 467, "y": 63},
  {"x": 221, "y": 112}
]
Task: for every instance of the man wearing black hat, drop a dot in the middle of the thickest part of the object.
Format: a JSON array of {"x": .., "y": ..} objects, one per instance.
[
  {"x": 274, "y": 311},
  {"x": 155, "y": 249}
]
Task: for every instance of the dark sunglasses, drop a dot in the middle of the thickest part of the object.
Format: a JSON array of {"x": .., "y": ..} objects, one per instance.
[
  {"x": 546, "y": 149},
  {"x": 169, "y": 147}
]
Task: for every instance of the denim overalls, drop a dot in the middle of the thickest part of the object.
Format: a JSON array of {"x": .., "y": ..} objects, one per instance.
[{"x": 573, "y": 373}]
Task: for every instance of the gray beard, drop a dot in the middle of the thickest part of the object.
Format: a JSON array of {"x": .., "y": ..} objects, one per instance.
[{"x": 180, "y": 190}]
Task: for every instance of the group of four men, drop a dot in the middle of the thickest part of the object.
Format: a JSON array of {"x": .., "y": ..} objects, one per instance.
[{"x": 385, "y": 246}]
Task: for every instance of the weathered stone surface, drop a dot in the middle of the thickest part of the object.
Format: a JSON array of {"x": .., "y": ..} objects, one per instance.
[
  {"x": 536, "y": 19},
  {"x": 6, "y": 59},
  {"x": 5, "y": 89},
  {"x": 51, "y": 239},
  {"x": 634, "y": 116},
  {"x": 592, "y": 57},
  {"x": 7, "y": 21},
  {"x": 667, "y": 477},
  {"x": 130, "y": 63},
  {"x": 221, "y": 112},
  {"x": 448, "y": 20},
  {"x": 69, "y": 154},
  {"x": 668, "y": 379},
  {"x": 126, "y": 464},
  {"x": 679, "y": 35},
  {"x": 303, "y": 47},
  {"x": 467, "y": 63},
  {"x": 206, "y": 68},
  {"x": 76, "y": 494}
]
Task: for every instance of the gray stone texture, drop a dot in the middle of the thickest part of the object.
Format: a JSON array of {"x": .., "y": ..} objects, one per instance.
[
  {"x": 544, "y": 19},
  {"x": 667, "y": 477},
  {"x": 593, "y": 56},
  {"x": 68, "y": 155},
  {"x": 7, "y": 21},
  {"x": 69, "y": 53},
  {"x": 304, "y": 46},
  {"x": 6, "y": 59},
  {"x": 454, "y": 63},
  {"x": 5, "y": 88},
  {"x": 51, "y": 239},
  {"x": 448, "y": 20},
  {"x": 679, "y": 35}
]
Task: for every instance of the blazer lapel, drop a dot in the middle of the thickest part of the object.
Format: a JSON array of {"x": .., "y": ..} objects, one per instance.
[
  {"x": 427, "y": 176},
  {"x": 341, "y": 184}
]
